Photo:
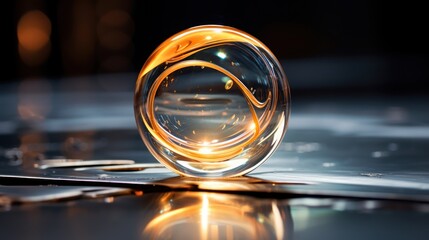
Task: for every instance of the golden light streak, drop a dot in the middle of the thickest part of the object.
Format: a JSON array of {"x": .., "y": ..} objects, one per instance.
[
  {"x": 221, "y": 153},
  {"x": 204, "y": 217}
]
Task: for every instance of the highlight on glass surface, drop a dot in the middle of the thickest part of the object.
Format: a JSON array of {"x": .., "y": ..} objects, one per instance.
[{"x": 212, "y": 101}]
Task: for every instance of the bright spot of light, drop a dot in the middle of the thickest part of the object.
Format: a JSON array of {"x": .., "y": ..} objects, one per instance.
[
  {"x": 221, "y": 54},
  {"x": 205, "y": 150},
  {"x": 225, "y": 79},
  {"x": 277, "y": 221},
  {"x": 34, "y": 30}
]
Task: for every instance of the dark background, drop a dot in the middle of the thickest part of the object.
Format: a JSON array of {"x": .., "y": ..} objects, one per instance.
[{"x": 356, "y": 45}]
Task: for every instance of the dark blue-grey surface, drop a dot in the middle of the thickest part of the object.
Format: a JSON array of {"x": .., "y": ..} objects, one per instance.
[{"x": 351, "y": 165}]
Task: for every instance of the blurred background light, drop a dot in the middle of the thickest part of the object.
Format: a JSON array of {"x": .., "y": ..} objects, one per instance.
[
  {"x": 356, "y": 46},
  {"x": 34, "y": 31}
]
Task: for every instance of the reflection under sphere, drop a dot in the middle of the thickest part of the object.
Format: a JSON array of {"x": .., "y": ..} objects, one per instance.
[
  {"x": 212, "y": 101},
  {"x": 215, "y": 216}
]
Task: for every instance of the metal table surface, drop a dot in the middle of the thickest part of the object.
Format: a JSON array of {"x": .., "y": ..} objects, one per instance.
[{"x": 72, "y": 166}]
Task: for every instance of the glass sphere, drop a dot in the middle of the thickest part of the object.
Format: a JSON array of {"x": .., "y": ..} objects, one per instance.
[{"x": 212, "y": 101}]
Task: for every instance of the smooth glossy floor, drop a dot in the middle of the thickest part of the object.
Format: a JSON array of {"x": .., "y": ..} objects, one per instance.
[{"x": 350, "y": 167}]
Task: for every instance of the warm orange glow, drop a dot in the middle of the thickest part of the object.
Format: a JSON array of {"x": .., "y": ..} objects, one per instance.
[
  {"x": 277, "y": 220},
  {"x": 34, "y": 30},
  {"x": 229, "y": 92},
  {"x": 202, "y": 216},
  {"x": 215, "y": 154},
  {"x": 109, "y": 199},
  {"x": 229, "y": 84},
  {"x": 34, "y": 58},
  {"x": 138, "y": 193},
  {"x": 205, "y": 150}
]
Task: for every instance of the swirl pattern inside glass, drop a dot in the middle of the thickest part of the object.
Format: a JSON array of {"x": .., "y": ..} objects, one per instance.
[{"x": 212, "y": 101}]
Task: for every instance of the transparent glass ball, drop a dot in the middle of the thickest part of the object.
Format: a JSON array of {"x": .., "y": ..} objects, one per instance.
[{"x": 212, "y": 101}]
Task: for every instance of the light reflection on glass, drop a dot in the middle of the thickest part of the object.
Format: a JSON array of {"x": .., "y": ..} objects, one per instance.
[
  {"x": 205, "y": 215},
  {"x": 200, "y": 114}
]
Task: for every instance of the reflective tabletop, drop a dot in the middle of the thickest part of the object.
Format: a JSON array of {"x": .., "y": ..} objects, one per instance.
[{"x": 72, "y": 165}]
